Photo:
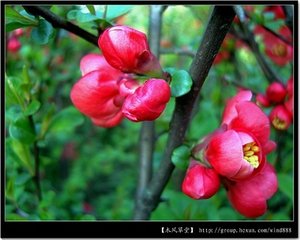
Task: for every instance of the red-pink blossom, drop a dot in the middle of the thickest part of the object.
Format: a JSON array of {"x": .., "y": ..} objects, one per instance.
[
  {"x": 127, "y": 49},
  {"x": 148, "y": 101},
  {"x": 200, "y": 182},
  {"x": 249, "y": 197},
  {"x": 94, "y": 94},
  {"x": 280, "y": 117},
  {"x": 276, "y": 49},
  {"x": 239, "y": 152}
]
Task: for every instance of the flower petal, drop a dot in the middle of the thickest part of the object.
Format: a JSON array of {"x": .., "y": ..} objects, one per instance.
[
  {"x": 225, "y": 153},
  {"x": 252, "y": 119},
  {"x": 249, "y": 196},
  {"x": 230, "y": 111}
]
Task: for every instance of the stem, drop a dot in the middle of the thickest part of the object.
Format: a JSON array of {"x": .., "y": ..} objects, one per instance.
[
  {"x": 58, "y": 22},
  {"x": 217, "y": 28},
  {"x": 268, "y": 71},
  {"x": 147, "y": 132},
  {"x": 36, "y": 154}
]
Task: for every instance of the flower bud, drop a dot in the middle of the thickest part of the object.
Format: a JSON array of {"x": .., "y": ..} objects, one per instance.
[
  {"x": 276, "y": 92},
  {"x": 200, "y": 182},
  {"x": 148, "y": 101},
  {"x": 127, "y": 49}
]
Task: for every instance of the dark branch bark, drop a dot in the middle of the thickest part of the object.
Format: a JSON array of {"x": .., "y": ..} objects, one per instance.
[
  {"x": 271, "y": 76},
  {"x": 213, "y": 37},
  {"x": 147, "y": 132},
  {"x": 58, "y": 22}
]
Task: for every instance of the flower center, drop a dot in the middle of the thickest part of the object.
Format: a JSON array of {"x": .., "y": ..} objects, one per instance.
[
  {"x": 279, "y": 124},
  {"x": 279, "y": 50},
  {"x": 251, "y": 151}
]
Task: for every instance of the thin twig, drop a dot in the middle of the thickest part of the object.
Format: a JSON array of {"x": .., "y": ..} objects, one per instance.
[
  {"x": 36, "y": 155},
  {"x": 147, "y": 132},
  {"x": 217, "y": 28},
  {"x": 58, "y": 22}
]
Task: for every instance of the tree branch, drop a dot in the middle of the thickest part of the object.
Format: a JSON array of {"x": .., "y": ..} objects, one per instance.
[
  {"x": 217, "y": 28},
  {"x": 271, "y": 76},
  {"x": 58, "y": 22},
  {"x": 147, "y": 132}
]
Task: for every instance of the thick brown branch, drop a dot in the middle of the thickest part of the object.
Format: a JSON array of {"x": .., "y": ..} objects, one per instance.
[
  {"x": 213, "y": 37},
  {"x": 58, "y": 22}
]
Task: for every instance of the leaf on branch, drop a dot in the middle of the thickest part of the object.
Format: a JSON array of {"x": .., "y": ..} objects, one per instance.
[
  {"x": 32, "y": 108},
  {"x": 43, "y": 32},
  {"x": 22, "y": 130},
  {"x": 181, "y": 82},
  {"x": 180, "y": 157}
]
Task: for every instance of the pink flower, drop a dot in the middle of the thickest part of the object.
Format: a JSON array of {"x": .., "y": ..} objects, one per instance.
[
  {"x": 96, "y": 94},
  {"x": 249, "y": 197},
  {"x": 277, "y": 50},
  {"x": 148, "y": 101},
  {"x": 127, "y": 49},
  {"x": 235, "y": 154},
  {"x": 276, "y": 92},
  {"x": 240, "y": 151},
  {"x": 200, "y": 182},
  {"x": 280, "y": 117}
]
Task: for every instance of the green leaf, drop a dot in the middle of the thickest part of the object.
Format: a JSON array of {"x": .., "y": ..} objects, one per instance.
[
  {"x": 114, "y": 11},
  {"x": 12, "y": 88},
  {"x": 180, "y": 157},
  {"x": 66, "y": 120},
  {"x": 42, "y": 33},
  {"x": 32, "y": 108},
  {"x": 11, "y": 15},
  {"x": 22, "y": 130},
  {"x": 285, "y": 184},
  {"x": 181, "y": 83},
  {"x": 23, "y": 153},
  {"x": 14, "y": 25}
]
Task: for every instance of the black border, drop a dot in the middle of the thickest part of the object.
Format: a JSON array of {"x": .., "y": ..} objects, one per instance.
[{"x": 151, "y": 229}]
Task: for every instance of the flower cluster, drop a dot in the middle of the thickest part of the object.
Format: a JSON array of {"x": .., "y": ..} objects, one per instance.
[
  {"x": 13, "y": 42},
  {"x": 281, "y": 98},
  {"x": 279, "y": 51},
  {"x": 235, "y": 155},
  {"x": 109, "y": 89}
]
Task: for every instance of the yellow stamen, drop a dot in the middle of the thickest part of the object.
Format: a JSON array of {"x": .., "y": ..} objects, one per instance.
[
  {"x": 279, "y": 124},
  {"x": 251, "y": 151},
  {"x": 248, "y": 153},
  {"x": 255, "y": 149}
]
